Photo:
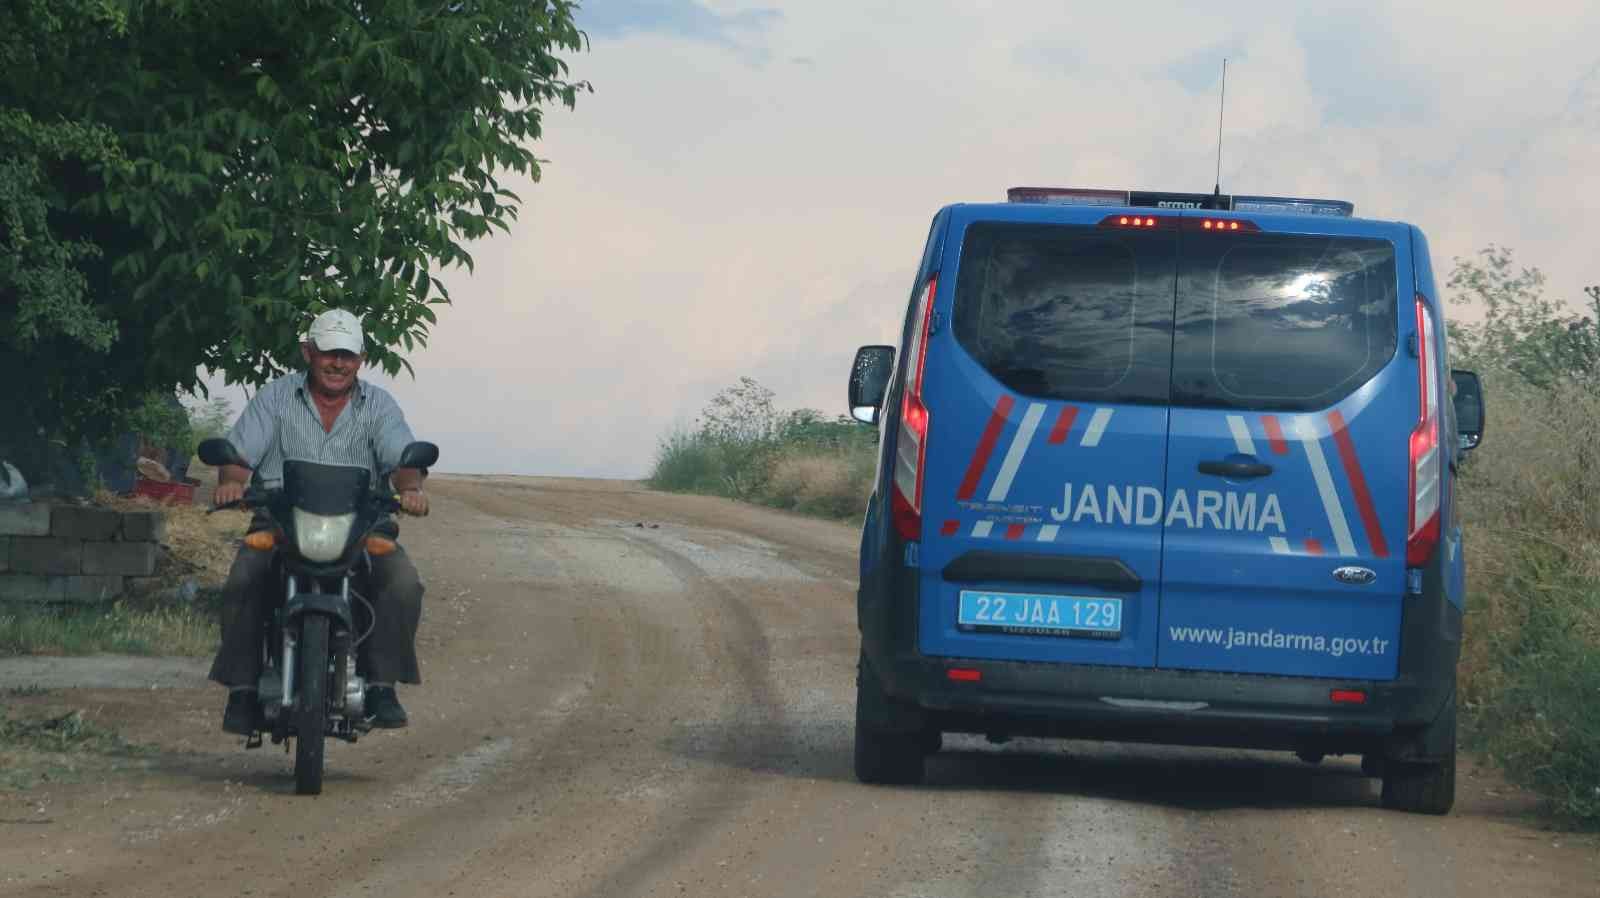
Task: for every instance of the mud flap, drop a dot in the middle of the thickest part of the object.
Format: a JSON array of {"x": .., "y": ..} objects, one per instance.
[
  {"x": 1433, "y": 742},
  {"x": 885, "y": 713}
]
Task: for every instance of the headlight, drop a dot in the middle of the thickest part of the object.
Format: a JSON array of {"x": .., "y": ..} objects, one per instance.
[{"x": 322, "y": 538}]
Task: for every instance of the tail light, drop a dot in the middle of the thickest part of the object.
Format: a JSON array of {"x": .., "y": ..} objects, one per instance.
[
  {"x": 911, "y": 446},
  {"x": 1427, "y": 456}
]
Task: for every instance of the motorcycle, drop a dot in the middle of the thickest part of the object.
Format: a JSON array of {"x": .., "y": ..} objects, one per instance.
[{"x": 310, "y": 687}]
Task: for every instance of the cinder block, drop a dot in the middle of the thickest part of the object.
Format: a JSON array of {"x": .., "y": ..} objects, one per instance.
[
  {"x": 122, "y": 559},
  {"x": 143, "y": 526},
  {"x": 31, "y": 519},
  {"x": 91, "y": 590},
  {"x": 46, "y": 555},
  {"x": 32, "y": 588},
  {"x": 77, "y": 522},
  {"x": 5, "y": 554}
]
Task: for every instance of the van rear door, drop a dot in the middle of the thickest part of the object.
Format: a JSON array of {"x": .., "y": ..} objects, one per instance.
[
  {"x": 1287, "y": 464},
  {"x": 1046, "y": 379}
]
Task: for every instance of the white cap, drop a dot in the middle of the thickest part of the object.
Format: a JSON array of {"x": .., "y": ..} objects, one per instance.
[{"x": 336, "y": 329}]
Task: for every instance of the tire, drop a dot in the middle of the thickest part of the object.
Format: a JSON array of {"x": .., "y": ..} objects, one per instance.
[
  {"x": 1310, "y": 757},
  {"x": 883, "y": 757},
  {"x": 311, "y": 705},
  {"x": 1425, "y": 788}
]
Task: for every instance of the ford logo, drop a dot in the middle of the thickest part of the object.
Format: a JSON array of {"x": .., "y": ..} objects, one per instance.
[{"x": 1355, "y": 576}]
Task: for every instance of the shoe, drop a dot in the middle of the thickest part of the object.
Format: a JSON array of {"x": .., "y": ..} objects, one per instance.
[
  {"x": 239, "y": 718},
  {"x": 383, "y": 708}
]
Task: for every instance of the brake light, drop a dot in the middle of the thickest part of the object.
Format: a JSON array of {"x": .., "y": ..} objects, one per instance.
[
  {"x": 1427, "y": 457},
  {"x": 1134, "y": 221},
  {"x": 1348, "y": 697},
  {"x": 964, "y": 675},
  {"x": 1230, "y": 225},
  {"x": 911, "y": 446}
]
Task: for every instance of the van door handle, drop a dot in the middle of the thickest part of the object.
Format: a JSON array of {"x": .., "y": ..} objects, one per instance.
[{"x": 1235, "y": 470}]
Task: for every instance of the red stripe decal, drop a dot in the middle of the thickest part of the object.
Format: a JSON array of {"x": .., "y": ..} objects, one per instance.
[
  {"x": 1358, "y": 484},
  {"x": 1275, "y": 434},
  {"x": 949, "y": 528},
  {"x": 1015, "y": 531},
  {"x": 1058, "y": 434},
  {"x": 1313, "y": 547},
  {"x": 980, "y": 458}
]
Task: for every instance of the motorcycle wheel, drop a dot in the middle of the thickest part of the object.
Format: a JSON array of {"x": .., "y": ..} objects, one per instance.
[{"x": 311, "y": 705}]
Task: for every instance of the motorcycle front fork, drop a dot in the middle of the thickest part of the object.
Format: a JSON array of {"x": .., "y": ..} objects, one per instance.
[{"x": 348, "y": 695}]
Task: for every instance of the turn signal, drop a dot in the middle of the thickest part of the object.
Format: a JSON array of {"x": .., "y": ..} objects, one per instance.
[
  {"x": 381, "y": 545},
  {"x": 262, "y": 540}
]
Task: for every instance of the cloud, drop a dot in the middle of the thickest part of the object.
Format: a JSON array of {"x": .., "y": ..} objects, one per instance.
[
  {"x": 678, "y": 18},
  {"x": 702, "y": 219}
]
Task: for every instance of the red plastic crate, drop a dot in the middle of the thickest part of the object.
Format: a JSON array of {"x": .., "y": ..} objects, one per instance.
[{"x": 180, "y": 493}]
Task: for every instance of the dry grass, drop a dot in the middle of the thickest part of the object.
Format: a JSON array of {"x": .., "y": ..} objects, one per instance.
[
  {"x": 1531, "y": 659},
  {"x": 830, "y": 484}
]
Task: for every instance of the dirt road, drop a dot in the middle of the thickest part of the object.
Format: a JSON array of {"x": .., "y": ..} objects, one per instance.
[{"x": 616, "y": 710}]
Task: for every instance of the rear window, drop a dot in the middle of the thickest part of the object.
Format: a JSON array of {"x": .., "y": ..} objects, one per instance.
[
  {"x": 1281, "y": 322},
  {"x": 1065, "y": 312}
]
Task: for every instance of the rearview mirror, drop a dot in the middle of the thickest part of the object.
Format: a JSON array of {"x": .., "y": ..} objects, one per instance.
[
  {"x": 217, "y": 452},
  {"x": 1469, "y": 407},
  {"x": 419, "y": 455},
  {"x": 869, "y": 381}
]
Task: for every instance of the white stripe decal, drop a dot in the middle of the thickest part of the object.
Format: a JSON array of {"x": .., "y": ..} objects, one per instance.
[
  {"x": 1019, "y": 448},
  {"x": 1241, "y": 435},
  {"x": 1047, "y": 533},
  {"x": 1330, "y": 496},
  {"x": 982, "y": 528},
  {"x": 1097, "y": 426},
  {"x": 1279, "y": 544}
]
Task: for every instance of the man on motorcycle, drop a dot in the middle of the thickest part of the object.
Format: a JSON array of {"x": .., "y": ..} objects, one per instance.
[{"x": 325, "y": 414}]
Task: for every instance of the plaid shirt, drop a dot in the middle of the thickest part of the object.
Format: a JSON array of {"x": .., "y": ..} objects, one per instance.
[{"x": 282, "y": 422}]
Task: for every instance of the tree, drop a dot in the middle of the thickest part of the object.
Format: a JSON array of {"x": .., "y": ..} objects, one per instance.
[
  {"x": 184, "y": 183},
  {"x": 1521, "y": 329}
]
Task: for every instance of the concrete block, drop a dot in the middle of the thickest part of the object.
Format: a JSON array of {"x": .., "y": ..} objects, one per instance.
[
  {"x": 90, "y": 590},
  {"x": 46, "y": 555},
  {"x": 77, "y": 522},
  {"x": 5, "y": 554},
  {"x": 143, "y": 526},
  {"x": 31, "y": 519},
  {"x": 122, "y": 559},
  {"x": 32, "y": 588}
]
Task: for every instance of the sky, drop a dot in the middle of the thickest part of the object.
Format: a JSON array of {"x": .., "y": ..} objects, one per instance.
[{"x": 748, "y": 188}]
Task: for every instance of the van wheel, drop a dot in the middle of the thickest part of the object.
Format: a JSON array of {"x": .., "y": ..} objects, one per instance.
[
  {"x": 1428, "y": 788},
  {"x": 883, "y": 757}
]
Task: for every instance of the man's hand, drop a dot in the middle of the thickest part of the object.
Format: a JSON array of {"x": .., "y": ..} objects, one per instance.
[
  {"x": 414, "y": 502},
  {"x": 228, "y": 492}
]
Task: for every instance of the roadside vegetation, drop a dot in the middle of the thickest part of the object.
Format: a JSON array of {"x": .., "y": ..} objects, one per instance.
[
  {"x": 743, "y": 447},
  {"x": 55, "y": 745},
  {"x": 1530, "y": 671}
]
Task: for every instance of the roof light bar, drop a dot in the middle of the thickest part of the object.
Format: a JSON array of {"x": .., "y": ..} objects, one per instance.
[{"x": 1269, "y": 205}]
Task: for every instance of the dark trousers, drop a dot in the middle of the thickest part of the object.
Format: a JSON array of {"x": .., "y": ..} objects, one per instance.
[{"x": 389, "y": 655}]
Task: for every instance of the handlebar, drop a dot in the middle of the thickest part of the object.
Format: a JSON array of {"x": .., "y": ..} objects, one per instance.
[{"x": 254, "y": 498}]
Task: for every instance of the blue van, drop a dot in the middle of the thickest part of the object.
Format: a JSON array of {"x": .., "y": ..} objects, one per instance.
[{"x": 1167, "y": 467}]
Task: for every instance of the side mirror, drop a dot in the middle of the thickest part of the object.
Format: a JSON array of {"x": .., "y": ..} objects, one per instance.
[
  {"x": 869, "y": 381},
  {"x": 1468, "y": 400},
  {"x": 217, "y": 452},
  {"x": 419, "y": 455}
]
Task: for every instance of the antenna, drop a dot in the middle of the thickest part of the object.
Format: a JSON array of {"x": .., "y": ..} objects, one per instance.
[{"x": 1222, "y": 104}]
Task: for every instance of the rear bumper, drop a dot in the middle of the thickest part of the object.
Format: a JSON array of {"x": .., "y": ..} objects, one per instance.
[{"x": 1168, "y": 706}]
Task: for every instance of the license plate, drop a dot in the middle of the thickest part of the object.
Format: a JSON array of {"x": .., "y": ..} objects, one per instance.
[{"x": 1024, "y": 614}]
